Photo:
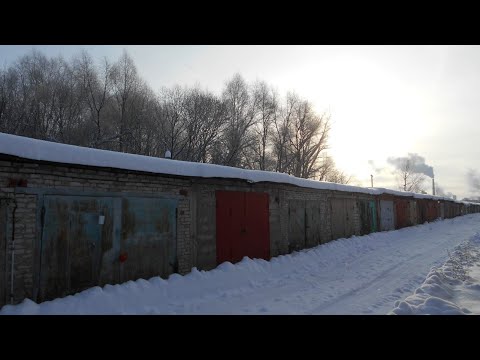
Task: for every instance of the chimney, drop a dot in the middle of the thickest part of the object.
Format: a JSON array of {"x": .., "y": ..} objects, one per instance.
[{"x": 433, "y": 186}]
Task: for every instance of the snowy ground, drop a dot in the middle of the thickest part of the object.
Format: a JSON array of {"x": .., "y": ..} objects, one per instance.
[
  {"x": 373, "y": 274},
  {"x": 452, "y": 289}
]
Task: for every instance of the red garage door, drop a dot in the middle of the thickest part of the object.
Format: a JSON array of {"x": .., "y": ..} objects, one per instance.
[
  {"x": 242, "y": 226},
  {"x": 402, "y": 212}
]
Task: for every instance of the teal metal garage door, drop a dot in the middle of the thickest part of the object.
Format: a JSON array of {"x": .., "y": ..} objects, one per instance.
[{"x": 88, "y": 241}]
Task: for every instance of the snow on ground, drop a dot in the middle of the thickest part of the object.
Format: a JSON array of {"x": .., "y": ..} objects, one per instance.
[
  {"x": 360, "y": 275},
  {"x": 34, "y": 149},
  {"x": 452, "y": 289}
]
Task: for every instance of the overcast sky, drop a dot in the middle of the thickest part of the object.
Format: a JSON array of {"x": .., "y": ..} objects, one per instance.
[{"x": 385, "y": 101}]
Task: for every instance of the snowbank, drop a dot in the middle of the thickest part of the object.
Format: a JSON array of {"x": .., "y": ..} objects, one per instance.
[{"x": 453, "y": 289}]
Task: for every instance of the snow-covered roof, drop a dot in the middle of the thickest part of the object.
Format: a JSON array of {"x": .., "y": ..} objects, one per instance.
[{"x": 34, "y": 149}]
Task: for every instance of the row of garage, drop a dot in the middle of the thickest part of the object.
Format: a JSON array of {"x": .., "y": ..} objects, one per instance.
[
  {"x": 346, "y": 215},
  {"x": 69, "y": 227}
]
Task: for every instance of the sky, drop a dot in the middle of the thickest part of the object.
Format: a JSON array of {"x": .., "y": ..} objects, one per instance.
[{"x": 385, "y": 101}]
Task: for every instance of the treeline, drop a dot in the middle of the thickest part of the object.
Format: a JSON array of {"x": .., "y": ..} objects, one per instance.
[{"x": 109, "y": 106}]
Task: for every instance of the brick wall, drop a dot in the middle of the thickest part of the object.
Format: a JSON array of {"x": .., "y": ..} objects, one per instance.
[
  {"x": 196, "y": 222},
  {"x": 25, "y": 182},
  {"x": 52, "y": 177},
  {"x": 204, "y": 220}
]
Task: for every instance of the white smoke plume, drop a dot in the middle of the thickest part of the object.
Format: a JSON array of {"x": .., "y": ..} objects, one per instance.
[
  {"x": 440, "y": 191},
  {"x": 417, "y": 164},
  {"x": 473, "y": 179},
  {"x": 376, "y": 169}
]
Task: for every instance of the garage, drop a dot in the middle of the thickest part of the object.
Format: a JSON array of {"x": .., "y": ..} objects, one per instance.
[{"x": 242, "y": 220}]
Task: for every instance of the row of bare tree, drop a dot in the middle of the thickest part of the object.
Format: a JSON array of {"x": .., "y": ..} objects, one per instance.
[{"x": 109, "y": 106}]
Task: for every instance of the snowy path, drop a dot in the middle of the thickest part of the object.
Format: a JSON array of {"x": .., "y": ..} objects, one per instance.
[
  {"x": 452, "y": 289},
  {"x": 360, "y": 275}
]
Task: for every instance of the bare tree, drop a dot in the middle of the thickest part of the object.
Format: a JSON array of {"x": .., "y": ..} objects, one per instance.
[
  {"x": 96, "y": 87},
  {"x": 240, "y": 116},
  {"x": 140, "y": 119},
  {"x": 281, "y": 134},
  {"x": 111, "y": 107},
  {"x": 172, "y": 121},
  {"x": 307, "y": 140},
  {"x": 204, "y": 121},
  {"x": 125, "y": 83},
  {"x": 408, "y": 179},
  {"x": 411, "y": 171},
  {"x": 327, "y": 167},
  {"x": 266, "y": 101},
  {"x": 38, "y": 95},
  {"x": 9, "y": 101}
]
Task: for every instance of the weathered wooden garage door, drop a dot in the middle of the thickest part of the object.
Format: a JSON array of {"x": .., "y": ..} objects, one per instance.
[
  {"x": 148, "y": 237},
  {"x": 3, "y": 243},
  {"x": 442, "y": 210},
  {"x": 421, "y": 211},
  {"x": 342, "y": 218},
  {"x": 387, "y": 221},
  {"x": 429, "y": 210},
  {"x": 402, "y": 210},
  {"x": 368, "y": 216},
  {"x": 413, "y": 212},
  {"x": 83, "y": 237},
  {"x": 304, "y": 224},
  {"x": 312, "y": 223},
  {"x": 296, "y": 225},
  {"x": 373, "y": 211},
  {"x": 433, "y": 210},
  {"x": 242, "y": 226},
  {"x": 365, "y": 223},
  {"x": 446, "y": 210},
  {"x": 76, "y": 232}
]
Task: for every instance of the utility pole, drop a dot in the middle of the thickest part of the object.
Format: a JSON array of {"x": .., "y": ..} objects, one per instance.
[{"x": 371, "y": 179}]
